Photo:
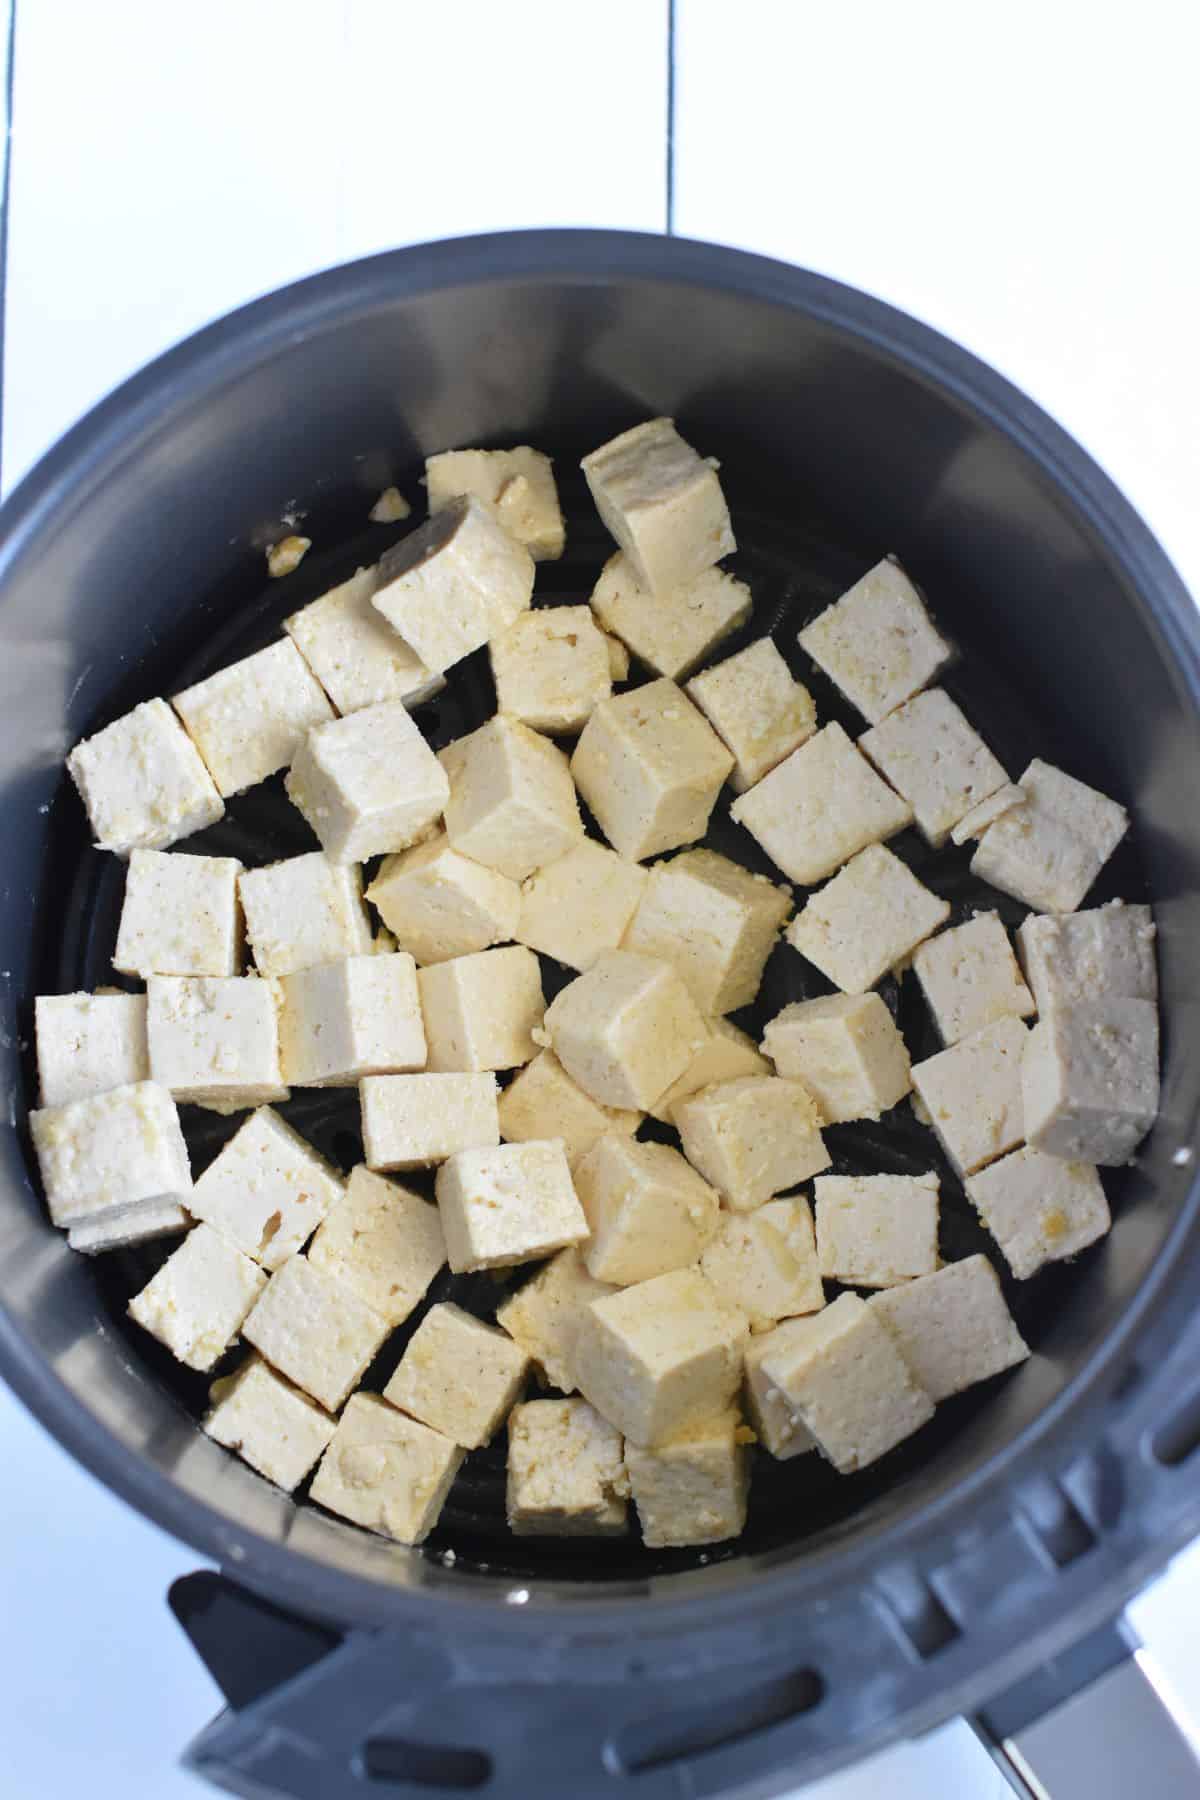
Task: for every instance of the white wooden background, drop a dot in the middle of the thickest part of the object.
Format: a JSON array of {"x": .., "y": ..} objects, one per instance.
[{"x": 1022, "y": 177}]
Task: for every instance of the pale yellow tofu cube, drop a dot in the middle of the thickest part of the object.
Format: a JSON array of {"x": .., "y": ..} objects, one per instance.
[
  {"x": 303, "y": 911},
  {"x": 542, "y": 1101},
  {"x": 512, "y": 802},
  {"x": 200, "y": 1298},
  {"x": 543, "y": 1314},
  {"x": 413, "y": 1121},
  {"x": 316, "y": 1330},
  {"x": 267, "y": 1190},
  {"x": 481, "y": 1011},
  {"x": 752, "y": 1138},
  {"x": 248, "y": 721},
  {"x": 508, "y": 1205},
  {"x": 581, "y": 905},
  {"x": 662, "y": 502},
  {"x": 180, "y": 916},
  {"x": 618, "y": 658},
  {"x": 625, "y": 1030},
  {"x": 453, "y": 583},
  {"x": 757, "y": 708},
  {"x": 1039, "y": 1208},
  {"x": 874, "y": 1231},
  {"x": 970, "y": 977},
  {"x": 846, "y": 1050},
  {"x": 383, "y": 1241},
  {"x": 713, "y": 921},
  {"x": 877, "y": 643},
  {"x": 935, "y": 759},
  {"x": 270, "y": 1424},
  {"x": 213, "y": 1041},
  {"x": 440, "y": 904},
  {"x": 952, "y": 1327},
  {"x": 89, "y": 1043},
  {"x": 674, "y": 630},
  {"x": 517, "y": 484},
  {"x": 368, "y": 784},
  {"x": 120, "y": 1227},
  {"x": 1049, "y": 850},
  {"x": 976, "y": 822},
  {"x": 647, "y": 1210},
  {"x": 109, "y": 1150},
  {"x": 765, "y": 1263},
  {"x": 694, "y": 1487},
  {"x": 343, "y": 1020},
  {"x": 726, "y": 1053},
  {"x": 566, "y": 1472},
  {"x": 356, "y": 657},
  {"x": 650, "y": 767},
  {"x": 459, "y": 1376},
  {"x": 385, "y": 1471},
  {"x": 551, "y": 668},
  {"x": 143, "y": 782},
  {"x": 779, "y": 1428},
  {"x": 972, "y": 1094},
  {"x": 866, "y": 920},
  {"x": 391, "y": 508},
  {"x": 1108, "y": 951},
  {"x": 1089, "y": 1080}
]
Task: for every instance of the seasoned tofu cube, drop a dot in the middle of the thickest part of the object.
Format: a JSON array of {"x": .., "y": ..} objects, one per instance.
[
  {"x": 671, "y": 631},
  {"x": 481, "y": 1011},
  {"x": 757, "y": 708},
  {"x": 846, "y": 1050},
  {"x": 694, "y": 1487},
  {"x": 566, "y": 1472},
  {"x": 180, "y": 916},
  {"x": 542, "y": 1316},
  {"x": 935, "y": 759},
  {"x": 453, "y": 583},
  {"x": 214, "y": 1041},
  {"x": 267, "y": 1190},
  {"x": 543, "y": 1102},
  {"x": 508, "y": 1205},
  {"x": 459, "y": 1376},
  {"x": 1039, "y": 1208},
  {"x": 518, "y": 485},
  {"x": 109, "y": 1150},
  {"x": 368, "y": 784},
  {"x": 752, "y": 1138},
  {"x": 304, "y": 911},
  {"x": 383, "y": 1241},
  {"x": 819, "y": 806},
  {"x": 199, "y": 1299},
  {"x": 316, "y": 1330},
  {"x": 143, "y": 782},
  {"x": 269, "y": 1423},
  {"x": 970, "y": 977},
  {"x": 581, "y": 905},
  {"x": 121, "y": 1227},
  {"x": 248, "y": 720},
  {"x": 714, "y": 922},
  {"x": 551, "y": 668},
  {"x": 413, "y": 1121},
  {"x": 726, "y": 1053},
  {"x": 952, "y": 1326},
  {"x": 976, "y": 822},
  {"x": 842, "y": 1373},
  {"x": 355, "y": 656},
  {"x": 342, "y": 1020},
  {"x": 874, "y": 1231},
  {"x": 656, "y": 1358},
  {"x": 647, "y": 1211},
  {"x": 871, "y": 916},
  {"x": 625, "y": 1030},
  {"x": 1089, "y": 1080},
  {"x": 440, "y": 904},
  {"x": 662, "y": 502},
  {"x": 512, "y": 802},
  {"x": 1049, "y": 850},
  {"x": 972, "y": 1093},
  {"x": 877, "y": 643},
  {"x": 1107, "y": 952},
  {"x": 387, "y": 1472},
  {"x": 765, "y": 1263},
  {"x": 780, "y": 1429},
  {"x": 88, "y": 1043},
  {"x": 650, "y": 767}
]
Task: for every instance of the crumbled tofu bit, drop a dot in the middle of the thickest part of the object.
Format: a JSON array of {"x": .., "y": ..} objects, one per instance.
[
  {"x": 199, "y": 1299},
  {"x": 714, "y": 922},
  {"x": 970, "y": 977},
  {"x": 819, "y": 806},
  {"x": 316, "y": 1330},
  {"x": 1049, "y": 850},
  {"x": 512, "y": 803},
  {"x": 952, "y": 1327},
  {"x": 517, "y": 485},
  {"x": 267, "y": 1190},
  {"x": 1039, "y": 1208},
  {"x": 213, "y": 1040},
  {"x": 551, "y": 668},
  {"x": 481, "y": 1011},
  {"x": 972, "y": 1092},
  {"x": 976, "y": 822},
  {"x": 542, "y": 1315},
  {"x": 141, "y": 1222},
  {"x": 383, "y": 1241},
  {"x": 391, "y": 508},
  {"x": 89, "y": 1043},
  {"x": 543, "y": 1102},
  {"x": 846, "y": 1050},
  {"x": 875, "y": 1231},
  {"x": 508, "y": 1205},
  {"x": 459, "y": 1376},
  {"x": 780, "y": 1429},
  {"x": 673, "y": 631},
  {"x": 385, "y": 1471},
  {"x": 1089, "y": 1080},
  {"x": 647, "y": 1210},
  {"x": 757, "y": 708},
  {"x": 268, "y": 1423},
  {"x": 1105, "y": 953},
  {"x": 343, "y": 1020},
  {"x": 660, "y": 1356},
  {"x": 441, "y": 904},
  {"x": 368, "y": 784},
  {"x": 180, "y": 916},
  {"x": 935, "y": 759},
  {"x": 869, "y": 918},
  {"x": 143, "y": 782},
  {"x": 618, "y": 658},
  {"x": 650, "y": 767},
  {"x": 694, "y": 1487},
  {"x": 726, "y": 1053},
  {"x": 304, "y": 911},
  {"x": 581, "y": 905},
  {"x": 877, "y": 643},
  {"x": 841, "y": 1374},
  {"x": 248, "y": 720},
  {"x": 356, "y": 657},
  {"x": 566, "y": 1472},
  {"x": 285, "y": 556},
  {"x": 109, "y": 1150},
  {"x": 662, "y": 502},
  {"x": 453, "y": 583},
  {"x": 414, "y": 1121},
  {"x": 625, "y": 1030},
  {"x": 752, "y": 1138},
  {"x": 761, "y": 1263}
]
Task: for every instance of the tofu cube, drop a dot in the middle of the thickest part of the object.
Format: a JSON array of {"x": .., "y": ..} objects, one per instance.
[
  {"x": 625, "y": 1030},
  {"x": 440, "y": 904},
  {"x": 459, "y": 1376},
  {"x": 551, "y": 668},
  {"x": 456, "y": 581},
  {"x": 757, "y": 708},
  {"x": 976, "y": 822},
  {"x": 268, "y": 1422},
  {"x": 360, "y": 1016},
  {"x": 753, "y": 1263},
  {"x": 662, "y": 502},
  {"x": 1089, "y": 1080},
  {"x": 543, "y": 1102},
  {"x": 267, "y": 1190},
  {"x": 143, "y": 782},
  {"x": 180, "y": 916},
  {"x": 1107, "y": 952},
  {"x": 304, "y": 911},
  {"x": 518, "y": 485},
  {"x": 356, "y": 657},
  {"x": 391, "y": 508},
  {"x": 846, "y": 1050},
  {"x": 618, "y": 658},
  {"x": 779, "y": 1428},
  {"x": 647, "y": 1211},
  {"x": 542, "y": 1316},
  {"x": 935, "y": 759},
  {"x": 507, "y": 1205},
  {"x": 213, "y": 1041},
  {"x": 316, "y": 1330},
  {"x": 249, "y": 720},
  {"x": 481, "y": 1011},
  {"x": 874, "y": 1231},
  {"x": 752, "y": 1138},
  {"x": 1040, "y": 1209},
  {"x": 581, "y": 905},
  {"x": 877, "y": 643},
  {"x": 199, "y": 1299},
  {"x": 387, "y": 1472},
  {"x": 1049, "y": 850},
  {"x": 413, "y": 1121},
  {"x": 512, "y": 803},
  {"x": 121, "y": 1227},
  {"x": 566, "y": 1472},
  {"x": 650, "y": 767},
  {"x": 694, "y": 1488},
  {"x": 88, "y": 1043},
  {"x": 819, "y": 806},
  {"x": 109, "y": 1150},
  {"x": 714, "y": 922},
  {"x": 972, "y": 1093},
  {"x": 368, "y": 783},
  {"x": 970, "y": 977},
  {"x": 952, "y": 1327},
  {"x": 726, "y": 1053},
  {"x": 870, "y": 917},
  {"x": 674, "y": 630},
  {"x": 383, "y": 1241}
]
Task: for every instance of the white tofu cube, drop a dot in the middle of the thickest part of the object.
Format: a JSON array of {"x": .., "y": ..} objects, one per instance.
[
  {"x": 543, "y": 1102},
  {"x": 1108, "y": 951},
  {"x": 757, "y": 708},
  {"x": 618, "y": 658},
  {"x": 972, "y": 1094},
  {"x": 355, "y": 656},
  {"x": 935, "y": 759},
  {"x": 694, "y": 1488},
  {"x": 109, "y": 1150},
  {"x": 820, "y": 806},
  {"x": 213, "y": 1041},
  {"x": 674, "y": 630},
  {"x": 874, "y": 1231},
  {"x": 121, "y": 1227},
  {"x": 1039, "y": 1208},
  {"x": 650, "y": 767},
  {"x": 143, "y": 782},
  {"x": 870, "y": 917},
  {"x": 459, "y": 1376},
  {"x": 714, "y": 922},
  {"x": 765, "y": 1263},
  {"x": 647, "y": 1211},
  {"x": 518, "y": 485},
  {"x": 726, "y": 1053},
  {"x": 248, "y": 720},
  {"x": 625, "y": 1030},
  {"x": 846, "y": 1050},
  {"x": 551, "y": 668},
  {"x": 752, "y": 1138},
  {"x": 581, "y": 905},
  {"x": 383, "y": 1241},
  {"x": 1089, "y": 1080},
  {"x": 976, "y": 822},
  {"x": 180, "y": 916},
  {"x": 507, "y": 1205},
  {"x": 481, "y": 1011},
  {"x": 88, "y": 1043},
  {"x": 413, "y": 1121},
  {"x": 268, "y": 1422},
  {"x": 970, "y": 977},
  {"x": 512, "y": 803},
  {"x": 1049, "y": 850},
  {"x": 387, "y": 1472},
  {"x": 456, "y": 581},
  {"x": 200, "y": 1298},
  {"x": 440, "y": 904},
  {"x": 368, "y": 783},
  {"x": 780, "y": 1429},
  {"x": 343, "y": 1020},
  {"x": 566, "y": 1472},
  {"x": 304, "y": 911},
  {"x": 542, "y": 1316},
  {"x": 316, "y": 1330},
  {"x": 267, "y": 1190},
  {"x": 662, "y": 502},
  {"x": 877, "y": 643},
  {"x": 952, "y": 1327}
]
